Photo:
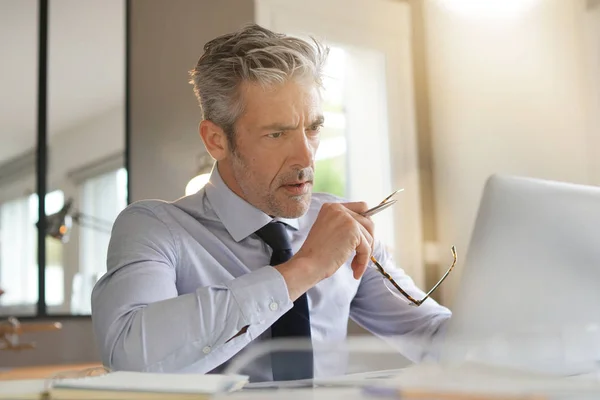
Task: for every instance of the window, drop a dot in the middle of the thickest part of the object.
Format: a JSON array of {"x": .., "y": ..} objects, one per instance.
[
  {"x": 354, "y": 130},
  {"x": 18, "y": 273},
  {"x": 57, "y": 124},
  {"x": 368, "y": 146},
  {"x": 18, "y": 255},
  {"x": 102, "y": 199},
  {"x": 330, "y": 165}
]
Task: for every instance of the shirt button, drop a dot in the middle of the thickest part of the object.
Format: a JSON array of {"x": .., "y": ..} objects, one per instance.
[
  {"x": 206, "y": 350},
  {"x": 274, "y": 306}
]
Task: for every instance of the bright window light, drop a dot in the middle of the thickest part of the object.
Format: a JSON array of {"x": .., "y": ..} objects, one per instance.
[
  {"x": 196, "y": 183},
  {"x": 331, "y": 148},
  {"x": 489, "y": 8}
]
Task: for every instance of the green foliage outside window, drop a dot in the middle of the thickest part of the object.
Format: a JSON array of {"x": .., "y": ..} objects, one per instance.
[{"x": 330, "y": 176}]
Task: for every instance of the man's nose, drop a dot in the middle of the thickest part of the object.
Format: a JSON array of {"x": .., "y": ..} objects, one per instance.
[{"x": 303, "y": 151}]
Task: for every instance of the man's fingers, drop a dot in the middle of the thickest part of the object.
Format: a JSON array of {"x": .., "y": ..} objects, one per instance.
[
  {"x": 363, "y": 254},
  {"x": 358, "y": 207},
  {"x": 368, "y": 236},
  {"x": 366, "y": 223},
  {"x": 356, "y": 210}
]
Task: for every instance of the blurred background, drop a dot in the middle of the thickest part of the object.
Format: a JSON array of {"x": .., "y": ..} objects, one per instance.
[{"x": 432, "y": 96}]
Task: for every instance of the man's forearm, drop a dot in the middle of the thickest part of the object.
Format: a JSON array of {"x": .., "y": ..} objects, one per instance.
[{"x": 202, "y": 329}]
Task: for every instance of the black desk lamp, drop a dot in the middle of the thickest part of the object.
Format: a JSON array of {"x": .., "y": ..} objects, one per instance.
[{"x": 58, "y": 225}]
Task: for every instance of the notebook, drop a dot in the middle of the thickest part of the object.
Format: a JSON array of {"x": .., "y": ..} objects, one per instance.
[
  {"x": 128, "y": 385},
  {"x": 23, "y": 389},
  {"x": 125, "y": 385}
]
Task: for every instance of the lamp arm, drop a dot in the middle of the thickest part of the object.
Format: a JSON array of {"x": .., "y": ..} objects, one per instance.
[{"x": 92, "y": 222}]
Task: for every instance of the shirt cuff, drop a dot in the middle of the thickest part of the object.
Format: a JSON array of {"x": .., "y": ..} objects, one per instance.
[{"x": 262, "y": 295}]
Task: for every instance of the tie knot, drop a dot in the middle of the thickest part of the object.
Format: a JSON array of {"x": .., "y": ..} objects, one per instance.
[{"x": 275, "y": 235}]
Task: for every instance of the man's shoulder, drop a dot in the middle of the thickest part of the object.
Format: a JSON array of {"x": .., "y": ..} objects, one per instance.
[
  {"x": 150, "y": 208},
  {"x": 151, "y": 205}
]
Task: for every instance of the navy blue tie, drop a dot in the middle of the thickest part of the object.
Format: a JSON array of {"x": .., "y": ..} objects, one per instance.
[{"x": 293, "y": 324}]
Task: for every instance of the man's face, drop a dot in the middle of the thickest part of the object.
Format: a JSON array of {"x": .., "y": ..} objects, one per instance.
[{"x": 276, "y": 137}]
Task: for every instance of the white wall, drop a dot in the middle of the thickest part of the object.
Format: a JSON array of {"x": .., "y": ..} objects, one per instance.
[{"x": 506, "y": 95}]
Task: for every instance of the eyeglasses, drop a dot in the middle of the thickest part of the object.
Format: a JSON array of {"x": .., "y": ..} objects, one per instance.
[{"x": 387, "y": 202}]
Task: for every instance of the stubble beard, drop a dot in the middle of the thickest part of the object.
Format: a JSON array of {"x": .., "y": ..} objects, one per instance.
[{"x": 264, "y": 198}]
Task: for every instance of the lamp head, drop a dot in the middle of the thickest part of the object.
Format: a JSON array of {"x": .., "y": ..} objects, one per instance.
[{"x": 58, "y": 225}]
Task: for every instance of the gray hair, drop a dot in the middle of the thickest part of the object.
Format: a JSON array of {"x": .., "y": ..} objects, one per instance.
[{"x": 253, "y": 54}]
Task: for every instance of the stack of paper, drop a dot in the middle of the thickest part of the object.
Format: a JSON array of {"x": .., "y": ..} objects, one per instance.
[
  {"x": 30, "y": 389},
  {"x": 125, "y": 385}
]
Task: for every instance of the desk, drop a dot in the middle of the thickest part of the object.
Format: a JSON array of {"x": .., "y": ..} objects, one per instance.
[
  {"x": 321, "y": 393},
  {"x": 41, "y": 372}
]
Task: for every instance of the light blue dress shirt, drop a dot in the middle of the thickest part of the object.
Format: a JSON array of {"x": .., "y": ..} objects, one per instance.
[{"x": 184, "y": 277}]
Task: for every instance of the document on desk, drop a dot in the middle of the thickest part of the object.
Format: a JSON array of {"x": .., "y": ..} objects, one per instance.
[
  {"x": 127, "y": 385},
  {"x": 350, "y": 380},
  {"x": 124, "y": 385},
  {"x": 24, "y": 389}
]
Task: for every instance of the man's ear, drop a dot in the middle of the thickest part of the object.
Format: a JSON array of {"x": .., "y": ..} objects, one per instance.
[{"x": 214, "y": 139}]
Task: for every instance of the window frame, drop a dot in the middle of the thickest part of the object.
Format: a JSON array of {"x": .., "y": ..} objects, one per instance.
[{"x": 38, "y": 158}]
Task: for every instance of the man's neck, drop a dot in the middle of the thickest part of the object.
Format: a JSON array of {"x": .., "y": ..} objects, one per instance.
[{"x": 226, "y": 173}]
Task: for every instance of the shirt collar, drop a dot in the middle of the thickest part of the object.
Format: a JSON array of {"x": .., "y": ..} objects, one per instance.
[{"x": 241, "y": 219}]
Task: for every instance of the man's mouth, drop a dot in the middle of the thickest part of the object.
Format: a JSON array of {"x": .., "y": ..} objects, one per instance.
[{"x": 298, "y": 188}]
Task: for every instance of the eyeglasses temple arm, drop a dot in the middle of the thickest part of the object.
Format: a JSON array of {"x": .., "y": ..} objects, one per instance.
[
  {"x": 443, "y": 277},
  {"x": 392, "y": 195},
  {"x": 389, "y": 278}
]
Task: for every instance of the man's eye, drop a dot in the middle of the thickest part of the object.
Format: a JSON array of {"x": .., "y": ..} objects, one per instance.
[
  {"x": 275, "y": 135},
  {"x": 315, "y": 129}
]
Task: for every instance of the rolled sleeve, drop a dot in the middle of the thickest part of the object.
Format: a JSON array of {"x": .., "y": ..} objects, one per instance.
[{"x": 262, "y": 295}]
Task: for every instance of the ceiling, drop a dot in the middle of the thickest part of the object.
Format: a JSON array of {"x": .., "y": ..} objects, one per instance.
[{"x": 86, "y": 61}]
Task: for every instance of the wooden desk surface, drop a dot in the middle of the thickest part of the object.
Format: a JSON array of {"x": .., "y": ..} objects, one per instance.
[{"x": 42, "y": 372}]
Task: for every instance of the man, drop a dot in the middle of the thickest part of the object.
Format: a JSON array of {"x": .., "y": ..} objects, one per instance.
[{"x": 254, "y": 255}]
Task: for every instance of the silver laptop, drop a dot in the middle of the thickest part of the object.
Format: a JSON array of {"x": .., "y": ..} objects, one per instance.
[{"x": 529, "y": 295}]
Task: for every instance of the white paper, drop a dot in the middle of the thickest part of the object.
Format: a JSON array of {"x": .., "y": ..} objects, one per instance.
[
  {"x": 351, "y": 380},
  {"x": 21, "y": 389},
  {"x": 154, "y": 382}
]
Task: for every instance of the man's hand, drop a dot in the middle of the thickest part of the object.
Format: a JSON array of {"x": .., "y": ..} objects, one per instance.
[{"x": 338, "y": 232}]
